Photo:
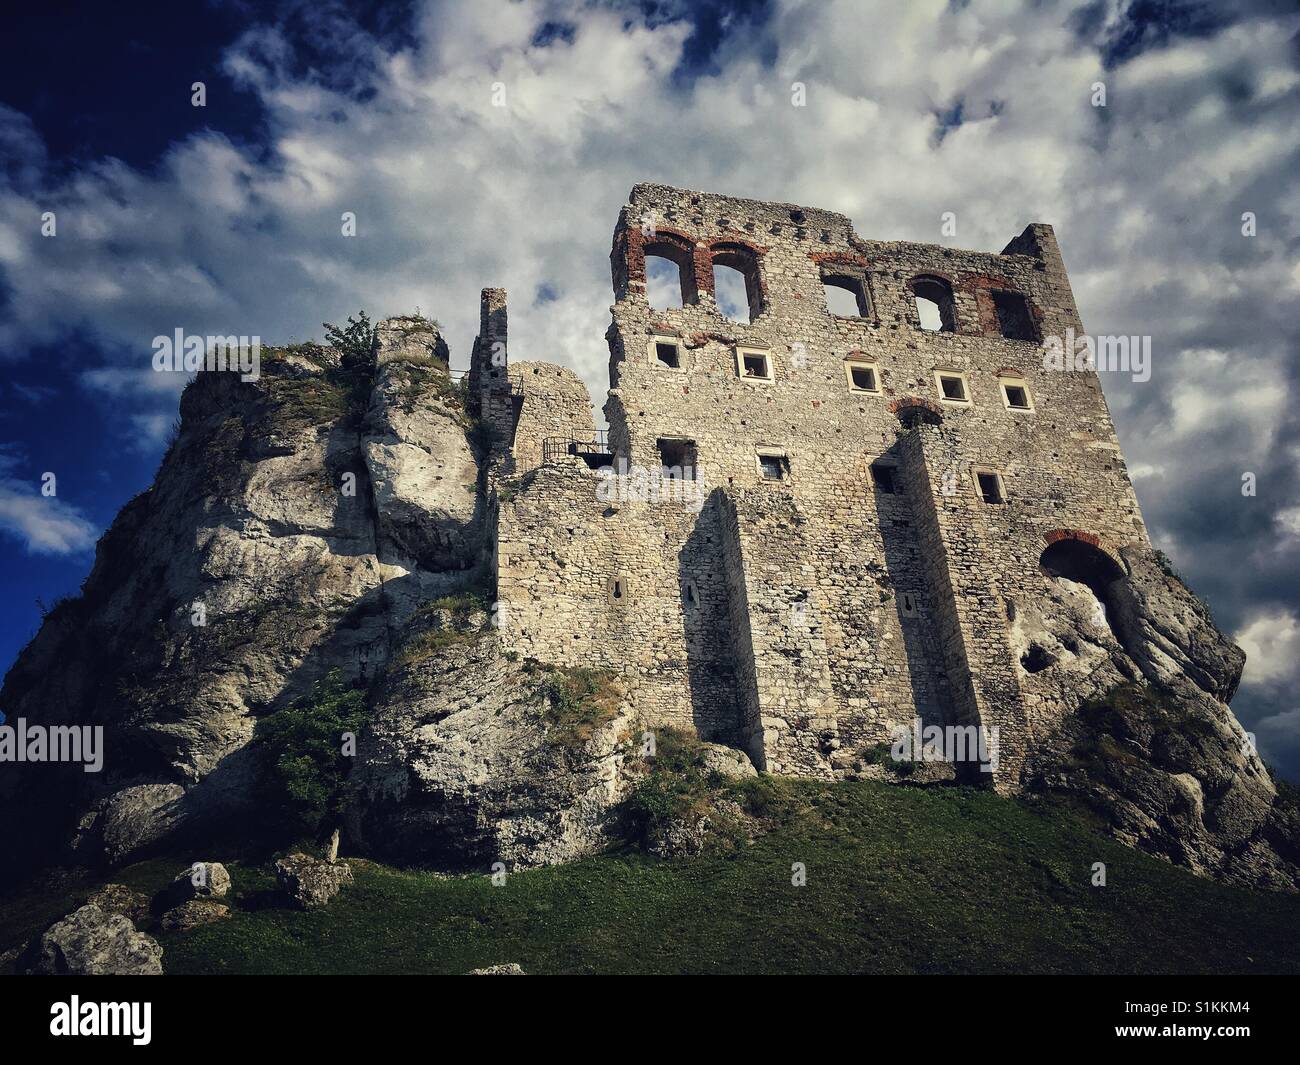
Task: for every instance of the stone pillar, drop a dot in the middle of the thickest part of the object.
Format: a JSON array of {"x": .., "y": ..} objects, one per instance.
[
  {"x": 781, "y": 657},
  {"x": 969, "y": 609}
]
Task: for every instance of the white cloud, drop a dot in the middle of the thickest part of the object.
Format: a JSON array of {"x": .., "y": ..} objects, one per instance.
[
  {"x": 43, "y": 525},
  {"x": 1272, "y": 645}
]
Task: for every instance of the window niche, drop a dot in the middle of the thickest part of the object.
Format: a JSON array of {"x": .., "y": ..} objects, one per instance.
[
  {"x": 862, "y": 376},
  {"x": 755, "y": 364},
  {"x": 989, "y": 487},
  {"x": 1015, "y": 319},
  {"x": 773, "y": 465},
  {"x": 952, "y": 386}
]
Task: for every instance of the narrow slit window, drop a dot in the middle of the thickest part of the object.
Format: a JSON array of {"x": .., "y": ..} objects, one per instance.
[
  {"x": 690, "y": 594},
  {"x": 617, "y": 590},
  {"x": 990, "y": 487}
]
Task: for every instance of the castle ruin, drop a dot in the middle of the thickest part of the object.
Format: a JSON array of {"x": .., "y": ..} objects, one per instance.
[{"x": 807, "y": 529}]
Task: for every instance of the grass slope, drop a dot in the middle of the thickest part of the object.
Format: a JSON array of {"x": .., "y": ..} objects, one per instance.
[{"x": 899, "y": 880}]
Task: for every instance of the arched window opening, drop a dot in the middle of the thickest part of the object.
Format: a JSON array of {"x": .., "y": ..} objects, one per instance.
[
  {"x": 1082, "y": 563},
  {"x": 846, "y": 297},
  {"x": 729, "y": 290},
  {"x": 663, "y": 283},
  {"x": 736, "y": 283},
  {"x": 934, "y": 304}
]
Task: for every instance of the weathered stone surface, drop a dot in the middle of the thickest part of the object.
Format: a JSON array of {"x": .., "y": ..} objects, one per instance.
[
  {"x": 201, "y": 880},
  {"x": 727, "y": 762},
  {"x": 136, "y": 818},
  {"x": 120, "y": 899},
  {"x": 1170, "y": 633},
  {"x": 461, "y": 769},
  {"x": 193, "y": 914},
  {"x": 90, "y": 942},
  {"x": 510, "y": 968},
  {"x": 310, "y": 882}
]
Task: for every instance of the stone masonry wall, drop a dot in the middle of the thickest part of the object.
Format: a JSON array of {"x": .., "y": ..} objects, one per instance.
[{"x": 910, "y": 592}]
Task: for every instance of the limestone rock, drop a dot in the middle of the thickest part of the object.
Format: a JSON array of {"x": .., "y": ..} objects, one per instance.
[
  {"x": 727, "y": 762},
  {"x": 510, "y": 968},
  {"x": 201, "y": 880},
  {"x": 460, "y": 769},
  {"x": 193, "y": 914},
  {"x": 91, "y": 942},
  {"x": 135, "y": 818},
  {"x": 310, "y": 882},
  {"x": 120, "y": 899}
]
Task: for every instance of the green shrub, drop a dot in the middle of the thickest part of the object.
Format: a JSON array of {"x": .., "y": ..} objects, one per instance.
[
  {"x": 302, "y": 747},
  {"x": 578, "y": 702}
]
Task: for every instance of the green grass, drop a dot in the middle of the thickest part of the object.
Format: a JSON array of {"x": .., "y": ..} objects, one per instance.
[{"x": 899, "y": 880}]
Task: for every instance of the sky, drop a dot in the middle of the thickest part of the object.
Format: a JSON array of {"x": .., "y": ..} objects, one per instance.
[{"x": 493, "y": 143}]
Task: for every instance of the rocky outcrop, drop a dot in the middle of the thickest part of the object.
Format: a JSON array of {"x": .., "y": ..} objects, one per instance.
[
  {"x": 308, "y": 882},
  {"x": 465, "y": 765},
  {"x": 120, "y": 899},
  {"x": 1150, "y": 745},
  {"x": 92, "y": 942},
  {"x": 257, "y": 563}
]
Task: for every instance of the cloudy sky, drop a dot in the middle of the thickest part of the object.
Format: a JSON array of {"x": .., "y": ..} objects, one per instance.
[{"x": 226, "y": 218}]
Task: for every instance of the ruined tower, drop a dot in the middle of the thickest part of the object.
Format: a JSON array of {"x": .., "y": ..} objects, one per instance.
[{"x": 818, "y": 525}]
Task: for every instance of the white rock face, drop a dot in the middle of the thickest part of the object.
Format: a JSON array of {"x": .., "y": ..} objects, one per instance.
[{"x": 461, "y": 769}]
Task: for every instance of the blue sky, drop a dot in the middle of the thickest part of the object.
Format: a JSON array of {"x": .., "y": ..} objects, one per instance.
[{"x": 225, "y": 218}]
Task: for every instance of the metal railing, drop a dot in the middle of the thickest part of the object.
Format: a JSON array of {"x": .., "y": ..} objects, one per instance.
[{"x": 590, "y": 447}]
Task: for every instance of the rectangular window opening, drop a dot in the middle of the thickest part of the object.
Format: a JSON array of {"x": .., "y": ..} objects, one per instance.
[
  {"x": 773, "y": 467},
  {"x": 667, "y": 354},
  {"x": 1015, "y": 321},
  {"x": 954, "y": 387},
  {"x": 1016, "y": 394},
  {"x": 885, "y": 478},
  {"x": 863, "y": 379},
  {"x": 677, "y": 459},
  {"x": 755, "y": 366},
  {"x": 990, "y": 488}
]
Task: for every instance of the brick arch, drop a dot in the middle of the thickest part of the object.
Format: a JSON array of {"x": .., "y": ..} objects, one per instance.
[
  {"x": 745, "y": 257},
  {"x": 1053, "y": 536},
  {"x": 913, "y": 410},
  {"x": 669, "y": 243}
]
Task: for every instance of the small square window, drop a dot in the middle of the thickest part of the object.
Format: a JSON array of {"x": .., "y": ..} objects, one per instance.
[
  {"x": 1015, "y": 394},
  {"x": 677, "y": 459},
  {"x": 754, "y": 364},
  {"x": 990, "y": 487},
  {"x": 885, "y": 478},
  {"x": 773, "y": 466},
  {"x": 952, "y": 387},
  {"x": 862, "y": 378},
  {"x": 667, "y": 354}
]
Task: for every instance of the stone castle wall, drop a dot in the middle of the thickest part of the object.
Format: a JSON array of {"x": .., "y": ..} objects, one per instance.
[{"x": 801, "y": 617}]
